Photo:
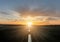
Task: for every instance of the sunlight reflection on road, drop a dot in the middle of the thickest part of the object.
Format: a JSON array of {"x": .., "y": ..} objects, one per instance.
[{"x": 29, "y": 38}]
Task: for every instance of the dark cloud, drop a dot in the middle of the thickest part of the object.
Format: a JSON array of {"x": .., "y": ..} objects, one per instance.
[
  {"x": 37, "y": 10},
  {"x": 5, "y": 13}
]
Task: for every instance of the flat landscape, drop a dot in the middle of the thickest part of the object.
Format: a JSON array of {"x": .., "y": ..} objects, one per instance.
[{"x": 19, "y": 33}]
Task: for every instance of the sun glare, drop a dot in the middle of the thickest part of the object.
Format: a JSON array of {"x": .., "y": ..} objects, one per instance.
[
  {"x": 29, "y": 24},
  {"x": 29, "y": 21}
]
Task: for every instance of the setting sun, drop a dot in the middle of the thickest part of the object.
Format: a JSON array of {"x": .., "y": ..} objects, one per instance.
[
  {"x": 29, "y": 21},
  {"x": 29, "y": 24}
]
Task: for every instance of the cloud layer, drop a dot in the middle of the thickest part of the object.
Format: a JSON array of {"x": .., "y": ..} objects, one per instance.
[{"x": 13, "y": 16}]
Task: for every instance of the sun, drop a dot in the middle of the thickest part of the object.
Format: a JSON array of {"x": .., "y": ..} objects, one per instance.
[
  {"x": 29, "y": 24},
  {"x": 29, "y": 21}
]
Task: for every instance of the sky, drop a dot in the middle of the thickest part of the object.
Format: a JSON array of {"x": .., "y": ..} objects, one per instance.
[
  {"x": 45, "y": 6},
  {"x": 8, "y": 8}
]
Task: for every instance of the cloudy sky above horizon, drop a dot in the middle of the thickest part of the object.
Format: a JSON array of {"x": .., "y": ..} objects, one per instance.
[
  {"x": 42, "y": 7},
  {"x": 13, "y": 9}
]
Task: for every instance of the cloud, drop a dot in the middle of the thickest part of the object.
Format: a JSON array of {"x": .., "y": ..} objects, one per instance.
[
  {"x": 37, "y": 10},
  {"x": 41, "y": 18},
  {"x": 46, "y": 18},
  {"x": 13, "y": 16},
  {"x": 53, "y": 18},
  {"x": 9, "y": 15}
]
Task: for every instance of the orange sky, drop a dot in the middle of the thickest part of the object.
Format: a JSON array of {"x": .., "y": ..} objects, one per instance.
[{"x": 34, "y": 23}]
